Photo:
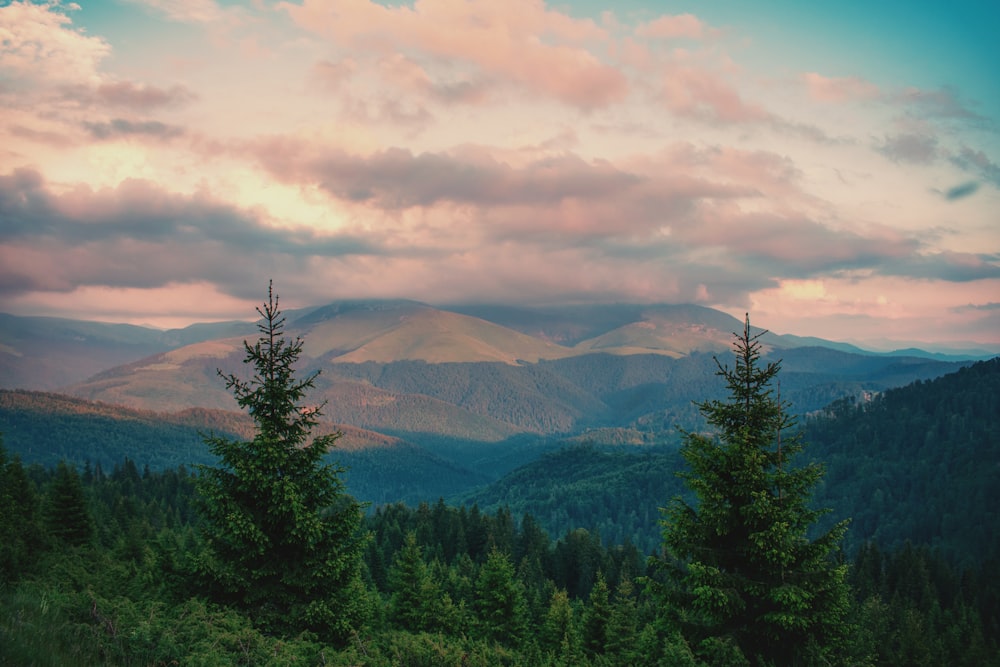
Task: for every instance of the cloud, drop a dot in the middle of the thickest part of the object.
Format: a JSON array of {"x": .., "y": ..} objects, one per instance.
[
  {"x": 686, "y": 26},
  {"x": 961, "y": 191},
  {"x": 519, "y": 42},
  {"x": 121, "y": 127},
  {"x": 331, "y": 76},
  {"x": 909, "y": 147},
  {"x": 185, "y": 11},
  {"x": 396, "y": 178},
  {"x": 838, "y": 89},
  {"x": 969, "y": 159},
  {"x": 698, "y": 93},
  {"x": 139, "y": 235},
  {"x": 142, "y": 97},
  {"x": 942, "y": 104},
  {"x": 39, "y": 48},
  {"x": 955, "y": 267}
]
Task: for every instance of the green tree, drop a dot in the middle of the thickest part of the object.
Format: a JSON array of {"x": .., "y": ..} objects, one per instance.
[
  {"x": 623, "y": 625},
  {"x": 747, "y": 575},
  {"x": 500, "y": 601},
  {"x": 417, "y": 601},
  {"x": 67, "y": 515},
  {"x": 596, "y": 617},
  {"x": 284, "y": 538},
  {"x": 21, "y": 535}
]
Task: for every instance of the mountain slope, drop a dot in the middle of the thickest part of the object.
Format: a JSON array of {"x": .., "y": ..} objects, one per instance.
[
  {"x": 46, "y": 353},
  {"x": 917, "y": 463},
  {"x": 45, "y": 428},
  {"x": 355, "y": 332}
]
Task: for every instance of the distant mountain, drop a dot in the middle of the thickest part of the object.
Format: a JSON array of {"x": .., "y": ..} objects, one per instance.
[
  {"x": 448, "y": 397},
  {"x": 435, "y": 377},
  {"x": 48, "y": 353},
  {"x": 45, "y": 428},
  {"x": 354, "y": 332},
  {"x": 917, "y": 463}
]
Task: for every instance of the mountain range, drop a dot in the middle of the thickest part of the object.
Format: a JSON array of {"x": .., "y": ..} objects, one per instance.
[{"x": 469, "y": 391}]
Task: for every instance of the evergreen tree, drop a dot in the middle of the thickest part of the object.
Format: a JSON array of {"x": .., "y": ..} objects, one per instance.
[
  {"x": 558, "y": 627},
  {"x": 284, "y": 537},
  {"x": 67, "y": 515},
  {"x": 416, "y": 597},
  {"x": 21, "y": 535},
  {"x": 623, "y": 626},
  {"x": 500, "y": 601},
  {"x": 747, "y": 575},
  {"x": 596, "y": 617}
]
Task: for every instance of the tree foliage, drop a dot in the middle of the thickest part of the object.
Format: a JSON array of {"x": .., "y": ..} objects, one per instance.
[
  {"x": 284, "y": 537},
  {"x": 748, "y": 581}
]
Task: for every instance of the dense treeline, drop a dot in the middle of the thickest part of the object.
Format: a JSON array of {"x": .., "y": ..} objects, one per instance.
[
  {"x": 615, "y": 493},
  {"x": 917, "y": 463},
  {"x": 97, "y": 568},
  {"x": 279, "y": 565}
]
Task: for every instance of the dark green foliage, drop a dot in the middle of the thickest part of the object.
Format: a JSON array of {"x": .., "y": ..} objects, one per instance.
[
  {"x": 21, "y": 535},
  {"x": 46, "y": 428},
  {"x": 417, "y": 603},
  {"x": 500, "y": 603},
  {"x": 918, "y": 464},
  {"x": 614, "y": 492},
  {"x": 67, "y": 516},
  {"x": 125, "y": 598},
  {"x": 284, "y": 538},
  {"x": 748, "y": 579},
  {"x": 597, "y": 618}
]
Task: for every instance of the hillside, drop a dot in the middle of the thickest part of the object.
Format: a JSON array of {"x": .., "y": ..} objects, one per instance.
[
  {"x": 47, "y": 353},
  {"x": 42, "y": 353},
  {"x": 45, "y": 428},
  {"x": 488, "y": 401},
  {"x": 917, "y": 463}
]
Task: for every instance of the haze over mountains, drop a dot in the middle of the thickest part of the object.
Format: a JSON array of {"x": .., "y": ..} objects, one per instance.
[
  {"x": 474, "y": 372},
  {"x": 52, "y": 353},
  {"x": 462, "y": 395}
]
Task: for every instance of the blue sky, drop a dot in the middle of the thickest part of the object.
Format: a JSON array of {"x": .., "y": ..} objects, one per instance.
[{"x": 832, "y": 167}]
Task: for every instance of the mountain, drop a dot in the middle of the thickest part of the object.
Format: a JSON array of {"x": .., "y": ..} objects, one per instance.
[
  {"x": 482, "y": 386},
  {"x": 45, "y": 428},
  {"x": 385, "y": 331},
  {"x": 48, "y": 353},
  {"x": 429, "y": 376},
  {"x": 915, "y": 463}
]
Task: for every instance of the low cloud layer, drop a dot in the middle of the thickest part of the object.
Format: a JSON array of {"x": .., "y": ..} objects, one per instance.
[{"x": 460, "y": 151}]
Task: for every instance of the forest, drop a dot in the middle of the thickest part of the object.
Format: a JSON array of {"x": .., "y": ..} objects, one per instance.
[{"x": 263, "y": 558}]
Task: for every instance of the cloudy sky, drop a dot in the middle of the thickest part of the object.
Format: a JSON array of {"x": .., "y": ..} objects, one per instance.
[{"x": 834, "y": 168}]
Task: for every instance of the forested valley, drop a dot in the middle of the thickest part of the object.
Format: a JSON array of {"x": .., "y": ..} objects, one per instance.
[
  {"x": 184, "y": 566},
  {"x": 99, "y": 568}
]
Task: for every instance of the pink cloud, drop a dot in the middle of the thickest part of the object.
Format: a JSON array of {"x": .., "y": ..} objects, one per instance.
[
  {"x": 838, "y": 89},
  {"x": 700, "y": 93},
  {"x": 332, "y": 75},
  {"x": 520, "y": 42},
  {"x": 673, "y": 27},
  {"x": 135, "y": 96},
  {"x": 40, "y": 47}
]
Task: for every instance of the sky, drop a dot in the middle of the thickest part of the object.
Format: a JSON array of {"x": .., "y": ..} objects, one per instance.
[{"x": 831, "y": 168}]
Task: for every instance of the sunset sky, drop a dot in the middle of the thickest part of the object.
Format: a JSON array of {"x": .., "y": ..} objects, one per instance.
[{"x": 832, "y": 167}]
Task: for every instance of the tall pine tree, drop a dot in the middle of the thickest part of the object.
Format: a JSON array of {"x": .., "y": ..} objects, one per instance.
[
  {"x": 747, "y": 577},
  {"x": 285, "y": 539}
]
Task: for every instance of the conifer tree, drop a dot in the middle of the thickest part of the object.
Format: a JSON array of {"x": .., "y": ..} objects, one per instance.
[
  {"x": 284, "y": 536},
  {"x": 500, "y": 600},
  {"x": 416, "y": 597},
  {"x": 21, "y": 535},
  {"x": 596, "y": 617},
  {"x": 623, "y": 625},
  {"x": 67, "y": 515},
  {"x": 747, "y": 576}
]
